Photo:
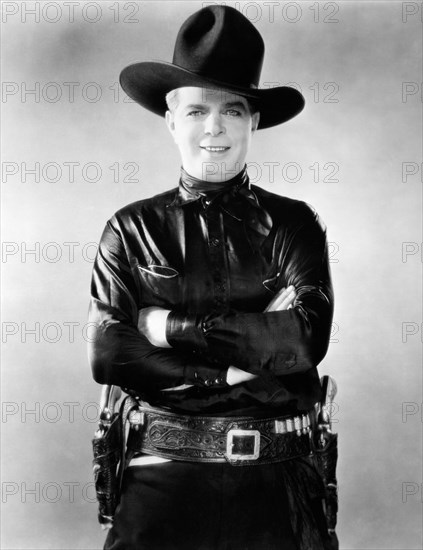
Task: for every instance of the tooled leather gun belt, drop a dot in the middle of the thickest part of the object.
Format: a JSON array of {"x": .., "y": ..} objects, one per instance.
[{"x": 237, "y": 440}]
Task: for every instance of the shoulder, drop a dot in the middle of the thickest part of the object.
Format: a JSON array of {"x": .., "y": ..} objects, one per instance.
[
  {"x": 152, "y": 204},
  {"x": 150, "y": 208},
  {"x": 286, "y": 210},
  {"x": 133, "y": 218}
]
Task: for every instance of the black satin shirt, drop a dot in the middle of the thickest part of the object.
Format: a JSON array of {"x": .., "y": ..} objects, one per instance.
[{"x": 215, "y": 260}]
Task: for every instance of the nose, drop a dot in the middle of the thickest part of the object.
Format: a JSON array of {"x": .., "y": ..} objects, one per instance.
[{"x": 214, "y": 125}]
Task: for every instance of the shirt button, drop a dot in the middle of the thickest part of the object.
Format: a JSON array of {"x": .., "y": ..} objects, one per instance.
[
  {"x": 215, "y": 242},
  {"x": 218, "y": 381},
  {"x": 208, "y": 382}
]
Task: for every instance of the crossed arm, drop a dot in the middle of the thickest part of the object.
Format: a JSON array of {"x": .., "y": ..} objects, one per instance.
[{"x": 152, "y": 323}]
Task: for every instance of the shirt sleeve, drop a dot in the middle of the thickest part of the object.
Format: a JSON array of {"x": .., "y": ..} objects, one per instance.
[
  {"x": 283, "y": 342},
  {"x": 118, "y": 353}
]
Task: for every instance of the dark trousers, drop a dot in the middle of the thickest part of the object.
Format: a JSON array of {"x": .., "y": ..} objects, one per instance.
[{"x": 192, "y": 506}]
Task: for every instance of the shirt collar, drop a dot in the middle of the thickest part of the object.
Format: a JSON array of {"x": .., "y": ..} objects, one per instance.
[
  {"x": 192, "y": 189},
  {"x": 235, "y": 198}
]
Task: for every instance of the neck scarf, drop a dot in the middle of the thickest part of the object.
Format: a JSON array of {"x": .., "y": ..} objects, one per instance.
[
  {"x": 212, "y": 189},
  {"x": 236, "y": 200}
]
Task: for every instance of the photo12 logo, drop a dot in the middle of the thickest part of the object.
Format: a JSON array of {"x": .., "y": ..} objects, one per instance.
[
  {"x": 49, "y": 492},
  {"x": 71, "y": 12},
  {"x": 288, "y": 12},
  {"x": 68, "y": 412},
  {"x": 69, "y": 172},
  {"x": 69, "y": 92}
]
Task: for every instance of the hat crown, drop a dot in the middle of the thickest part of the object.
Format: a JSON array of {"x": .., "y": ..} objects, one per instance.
[{"x": 219, "y": 43}]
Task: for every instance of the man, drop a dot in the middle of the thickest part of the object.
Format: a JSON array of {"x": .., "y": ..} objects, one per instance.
[{"x": 213, "y": 304}]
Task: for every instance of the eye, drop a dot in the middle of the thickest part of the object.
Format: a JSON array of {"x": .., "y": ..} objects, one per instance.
[
  {"x": 194, "y": 114},
  {"x": 233, "y": 112}
]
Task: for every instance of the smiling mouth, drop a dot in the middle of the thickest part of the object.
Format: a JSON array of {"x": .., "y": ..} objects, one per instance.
[{"x": 214, "y": 148}]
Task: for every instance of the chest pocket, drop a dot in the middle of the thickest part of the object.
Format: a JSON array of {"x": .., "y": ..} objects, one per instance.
[{"x": 160, "y": 285}]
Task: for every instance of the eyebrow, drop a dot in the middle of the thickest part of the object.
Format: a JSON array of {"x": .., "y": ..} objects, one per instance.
[
  {"x": 227, "y": 105},
  {"x": 238, "y": 104},
  {"x": 195, "y": 106}
]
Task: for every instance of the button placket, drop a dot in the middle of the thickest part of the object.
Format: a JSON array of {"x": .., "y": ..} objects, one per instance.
[{"x": 217, "y": 255}]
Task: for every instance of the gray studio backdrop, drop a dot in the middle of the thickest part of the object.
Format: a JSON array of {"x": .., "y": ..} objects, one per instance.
[{"x": 75, "y": 150}]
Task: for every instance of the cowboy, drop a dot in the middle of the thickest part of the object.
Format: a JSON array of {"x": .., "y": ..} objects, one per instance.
[{"x": 213, "y": 306}]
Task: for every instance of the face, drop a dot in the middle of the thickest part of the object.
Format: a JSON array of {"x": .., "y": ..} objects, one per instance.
[{"x": 213, "y": 131}]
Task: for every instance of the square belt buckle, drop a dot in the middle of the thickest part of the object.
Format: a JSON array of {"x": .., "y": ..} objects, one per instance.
[{"x": 243, "y": 444}]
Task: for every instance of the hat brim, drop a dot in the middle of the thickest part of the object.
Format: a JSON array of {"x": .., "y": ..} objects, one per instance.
[{"x": 147, "y": 83}]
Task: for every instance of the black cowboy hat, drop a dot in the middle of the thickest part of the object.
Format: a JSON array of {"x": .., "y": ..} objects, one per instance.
[{"x": 218, "y": 48}]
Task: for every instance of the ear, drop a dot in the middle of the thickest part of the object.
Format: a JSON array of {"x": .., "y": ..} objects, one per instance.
[
  {"x": 170, "y": 121},
  {"x": 255, "y": 119}
]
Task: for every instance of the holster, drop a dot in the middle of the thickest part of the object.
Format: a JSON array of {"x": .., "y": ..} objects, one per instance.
[
  {"x": 109, "y": 446},
  {"x": 325, "y": 446}
]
